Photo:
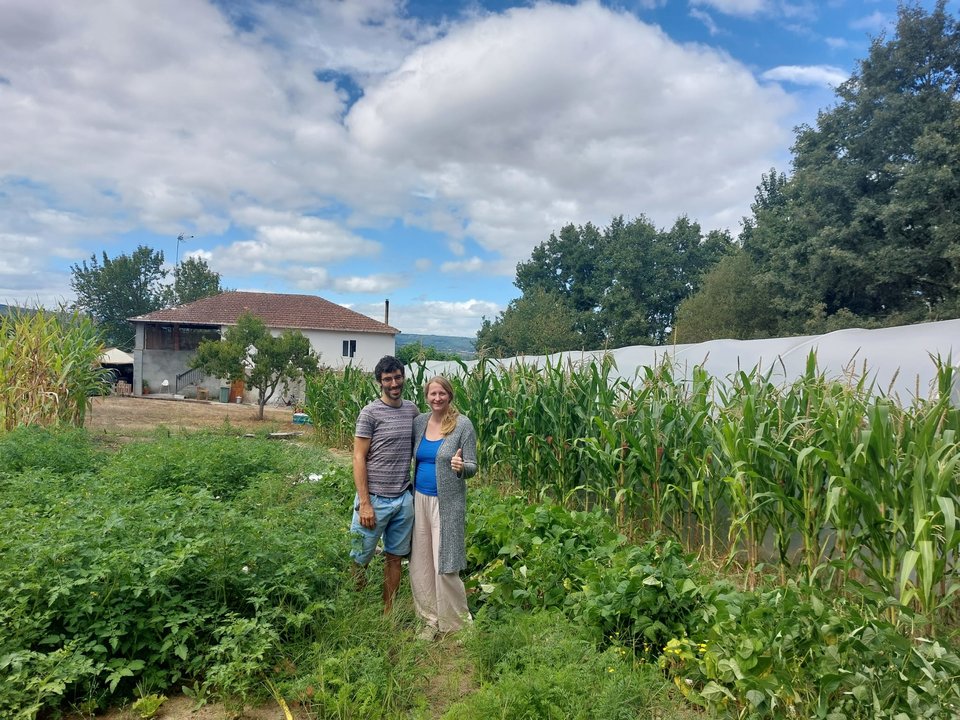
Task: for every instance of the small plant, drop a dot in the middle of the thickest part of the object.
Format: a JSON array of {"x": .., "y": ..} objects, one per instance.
[{"x": 148, "y": 705}]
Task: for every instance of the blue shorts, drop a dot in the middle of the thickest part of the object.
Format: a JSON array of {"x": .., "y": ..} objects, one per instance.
[{"x": 394, "y": 524}]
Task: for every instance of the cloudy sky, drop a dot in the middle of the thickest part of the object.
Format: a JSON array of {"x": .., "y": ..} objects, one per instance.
[{"x": 364, "y": 150}]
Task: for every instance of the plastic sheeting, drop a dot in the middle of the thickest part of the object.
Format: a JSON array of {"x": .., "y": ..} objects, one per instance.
[
  {"x": 898, "y": 361},
  {"x": 114, "y": 356}
]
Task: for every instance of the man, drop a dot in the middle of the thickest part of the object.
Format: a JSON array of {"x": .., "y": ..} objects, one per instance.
[{"x": 382, "y": 450}]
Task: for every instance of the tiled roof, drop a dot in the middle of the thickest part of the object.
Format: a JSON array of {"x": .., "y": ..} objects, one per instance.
[{"x": 299, "y": 312}]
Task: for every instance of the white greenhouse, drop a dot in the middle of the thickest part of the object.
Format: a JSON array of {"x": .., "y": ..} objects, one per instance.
[{"x": 900, "y": 362}]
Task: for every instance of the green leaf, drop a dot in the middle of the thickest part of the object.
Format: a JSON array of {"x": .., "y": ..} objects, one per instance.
[{"x": 756, "y": 698}]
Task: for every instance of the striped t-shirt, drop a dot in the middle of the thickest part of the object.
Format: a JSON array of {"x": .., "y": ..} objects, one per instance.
[{"x": 390, "y": 430}]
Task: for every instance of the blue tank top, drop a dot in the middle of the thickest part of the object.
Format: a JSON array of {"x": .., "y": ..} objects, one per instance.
[{"x": 426, "y": 478}]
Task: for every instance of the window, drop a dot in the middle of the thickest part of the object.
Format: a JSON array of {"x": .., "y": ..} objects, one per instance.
[
  {"x": 191, "y": 337},
  {"x": 158, "y": 337},
  {"x": 175, "y": 337},
  {"x": 349, "y": 348}
]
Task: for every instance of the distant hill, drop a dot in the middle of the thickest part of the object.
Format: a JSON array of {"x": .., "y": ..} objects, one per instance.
[{"x": 462, "y": 346}]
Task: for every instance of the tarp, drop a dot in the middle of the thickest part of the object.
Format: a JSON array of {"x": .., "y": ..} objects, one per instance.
[
  {"x": 113, "y": 356},
  {"x": 898, "y": 361}
]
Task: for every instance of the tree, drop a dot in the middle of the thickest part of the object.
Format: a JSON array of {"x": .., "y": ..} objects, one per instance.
[
  {"x": 730, "y": 304},
  {"x": 770, "y": 195},
  {"x": 622, "y": 284},
  {"x": 775, "y": 240},
  {"x": 194, "y": 280},
  {"x": 118, "y": 289},
  {"x": 573, "y": 266},
  {"x": 418, "y": 352},
  {"x": 538, "y": 323},
  {"x": 868, "y": 227},
  {"x": 652, "y": 271},
  {"x": 249, "y": 352}
]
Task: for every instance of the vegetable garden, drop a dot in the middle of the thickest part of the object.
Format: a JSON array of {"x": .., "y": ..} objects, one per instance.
[{"x": 719, "y": 549}]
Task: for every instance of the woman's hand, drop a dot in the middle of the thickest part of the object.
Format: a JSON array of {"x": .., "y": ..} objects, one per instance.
[{"x": 456, "y": 462}]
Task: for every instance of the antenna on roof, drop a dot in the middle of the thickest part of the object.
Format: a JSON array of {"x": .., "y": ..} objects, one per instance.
[
  {"x": 386, "y": 312},
  {"x": 176, "y": 265}
]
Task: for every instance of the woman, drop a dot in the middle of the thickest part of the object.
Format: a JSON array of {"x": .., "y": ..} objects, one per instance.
[{"x": 445, "y": 455}]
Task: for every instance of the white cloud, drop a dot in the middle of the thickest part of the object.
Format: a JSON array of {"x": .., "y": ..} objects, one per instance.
[
  {"x": 382, "y": 283},
  {"x": 801, "y": 11},
  {"x": 155, "y": 114},
  {"x": 280, "y": 239},
  {"x": 825, "y": 75},
  {"x": 706, "y": 19},
  {"x": 524, "y": 121},
  {"x": 23, "y": 278},
  {"x": 470, "y": 265},
  {"x": 66, "y": 223},
  {"x": 874, "y": 23},
  {"x": 434, "y": 317},
  {"x": 735, "y": 7},
  {"x": 307, "y": 278},
  {"x": 360, "y": 36}
]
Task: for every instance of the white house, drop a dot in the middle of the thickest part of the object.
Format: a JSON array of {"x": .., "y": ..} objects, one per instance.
[{"x": 167, "y": 339}]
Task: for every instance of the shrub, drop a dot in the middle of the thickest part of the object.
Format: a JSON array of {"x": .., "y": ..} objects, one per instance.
[
  {"x": 63, "y": 451},
  {"x": 544, "y": 556},
  {"x": 640, "y": 596},
  {"x": 222, "y": 465},
  {"x": 133, "y": 581}
]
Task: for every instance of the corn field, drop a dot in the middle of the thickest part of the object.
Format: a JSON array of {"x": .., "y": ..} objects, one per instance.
[
  {"x": 49, "y": 366},
  {"x": 823, "y": 477}
]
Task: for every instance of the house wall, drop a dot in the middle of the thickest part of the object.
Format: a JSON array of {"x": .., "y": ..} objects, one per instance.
[
  {"x": 155, "y": 366},
  {"x": 370, "y": 347},
  {"x": 160, "y": 365}
]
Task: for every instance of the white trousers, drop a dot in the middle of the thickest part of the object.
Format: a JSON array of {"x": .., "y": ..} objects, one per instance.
[{"x": 439, "y": 598}]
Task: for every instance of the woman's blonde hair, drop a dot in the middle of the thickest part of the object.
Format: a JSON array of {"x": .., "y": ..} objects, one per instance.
[{"x": 449, "y": 420}]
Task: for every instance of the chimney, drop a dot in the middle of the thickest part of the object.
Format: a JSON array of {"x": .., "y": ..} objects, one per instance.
[{"x": 386, "y": 312}]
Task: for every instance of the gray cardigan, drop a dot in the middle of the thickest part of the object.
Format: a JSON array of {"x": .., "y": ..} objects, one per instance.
[{"x": 451, "y": 489}]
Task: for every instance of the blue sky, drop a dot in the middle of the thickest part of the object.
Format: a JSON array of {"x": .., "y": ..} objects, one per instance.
[{"x": 364, "y": 150}]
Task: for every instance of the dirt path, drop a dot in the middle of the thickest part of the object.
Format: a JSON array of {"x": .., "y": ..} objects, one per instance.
[
  {"x": 450, "y": 675},
  {"x": 136, "y": 416}
]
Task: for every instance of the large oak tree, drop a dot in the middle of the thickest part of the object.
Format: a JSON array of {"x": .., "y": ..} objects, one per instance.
[{"x": 867, "y": 226}]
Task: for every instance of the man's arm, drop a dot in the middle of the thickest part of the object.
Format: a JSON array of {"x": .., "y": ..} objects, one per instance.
[{"x": 361, "y": 446}]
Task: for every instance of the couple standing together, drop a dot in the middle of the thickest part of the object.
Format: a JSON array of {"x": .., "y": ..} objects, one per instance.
[{"x": 429, "y": 523}]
